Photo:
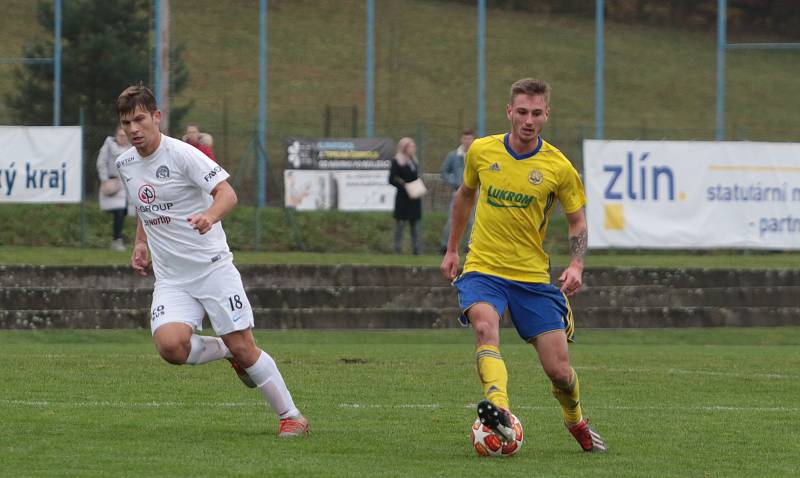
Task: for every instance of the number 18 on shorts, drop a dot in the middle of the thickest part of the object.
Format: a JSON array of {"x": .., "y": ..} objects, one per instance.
[{"x": 220, "y": 294}]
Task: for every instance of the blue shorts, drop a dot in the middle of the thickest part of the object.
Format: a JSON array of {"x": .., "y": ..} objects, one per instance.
[{"x": 534, "y": 308}]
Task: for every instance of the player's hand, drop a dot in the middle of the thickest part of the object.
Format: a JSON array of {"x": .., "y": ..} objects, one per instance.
[
  {"x": 449, "y": 265},
  {"x": 571, "y": 280},
  {"x": 201, "y": 222},
  {"x": 139, "y": 259}
]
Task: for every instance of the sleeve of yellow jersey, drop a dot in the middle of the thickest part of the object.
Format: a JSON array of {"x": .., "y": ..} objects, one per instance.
[
  {"x": 570, "y": 190},
  {"x": 471, "y": 179}
]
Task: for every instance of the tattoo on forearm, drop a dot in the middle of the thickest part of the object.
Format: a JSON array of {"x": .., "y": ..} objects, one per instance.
[{"x": 578, "y": 244}]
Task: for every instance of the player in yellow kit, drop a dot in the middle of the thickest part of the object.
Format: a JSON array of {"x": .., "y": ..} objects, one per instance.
[{"x": 520, "y": 177}]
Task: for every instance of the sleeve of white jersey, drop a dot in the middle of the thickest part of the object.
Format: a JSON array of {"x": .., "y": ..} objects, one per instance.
[{"x": 201, "y": 170}]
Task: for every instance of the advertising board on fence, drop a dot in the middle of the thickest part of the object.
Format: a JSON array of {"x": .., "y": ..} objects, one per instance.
[
  {"x": 364, "y": 191},
  {"x": 349, "y": 174},
  {"x": 692, "y": 194},
  {"x": 339, "y": 153},
  {"x": 306, "y": 190},
  {"x": 40, "y": 164}
]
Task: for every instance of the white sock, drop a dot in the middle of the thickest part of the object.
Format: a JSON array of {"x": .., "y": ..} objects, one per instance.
[
  {"x": 268, "y": 379},
  {"x": 205, "y": 349}
]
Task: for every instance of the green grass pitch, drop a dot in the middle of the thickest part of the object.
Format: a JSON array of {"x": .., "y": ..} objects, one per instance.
[{"x": 685, "y": 402}]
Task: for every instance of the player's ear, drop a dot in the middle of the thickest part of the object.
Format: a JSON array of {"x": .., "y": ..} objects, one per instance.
[
  {"x": 508, "y": 112},
  {"x": 157, "y": 119}
]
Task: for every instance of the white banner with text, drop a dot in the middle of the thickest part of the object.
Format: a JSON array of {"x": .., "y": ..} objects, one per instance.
[
  {"x": 40, "y": 164},
  {"x": 364, "y": 191},
  {"x": 692, "y": 194}
]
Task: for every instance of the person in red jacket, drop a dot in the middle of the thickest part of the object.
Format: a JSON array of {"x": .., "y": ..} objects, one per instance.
[{"x": 201, "y": 141}]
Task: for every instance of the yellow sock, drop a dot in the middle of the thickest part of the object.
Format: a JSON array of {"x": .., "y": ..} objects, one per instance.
[
  {"x": 569, "y": 398},
  {"x": 493, "y": 375}
]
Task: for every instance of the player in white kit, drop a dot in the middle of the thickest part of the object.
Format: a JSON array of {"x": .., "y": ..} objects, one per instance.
[{"x": 180, "y": 197}]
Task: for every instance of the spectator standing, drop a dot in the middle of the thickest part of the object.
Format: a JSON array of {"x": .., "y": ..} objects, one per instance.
[
  {"x": 202, "y": 141},
  {"x": 453, "y": 175},
  {"x": 404, "y": 170},
  {"x": 112, "y": 195}
]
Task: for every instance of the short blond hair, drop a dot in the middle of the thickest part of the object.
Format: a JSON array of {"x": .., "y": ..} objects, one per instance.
[{"x": 530, "y": 87}]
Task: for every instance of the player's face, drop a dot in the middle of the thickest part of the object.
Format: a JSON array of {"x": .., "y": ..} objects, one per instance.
[
  {"x": 142, "y": 129},
  {"x": 527, "y": 114}
]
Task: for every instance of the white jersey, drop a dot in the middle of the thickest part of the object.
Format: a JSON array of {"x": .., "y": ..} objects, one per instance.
[{"x": 166, "y": 188}]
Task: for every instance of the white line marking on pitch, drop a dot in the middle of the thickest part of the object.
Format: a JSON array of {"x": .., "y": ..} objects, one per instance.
[
  {"x": 716, "y": 408},
  {"x": 110, "y": 404},
  {"x": 690, "y": 372},
  {"x": 372, "y": 406}
]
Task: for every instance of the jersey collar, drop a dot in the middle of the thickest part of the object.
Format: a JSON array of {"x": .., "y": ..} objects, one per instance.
[{"x": 521, "y": 156}]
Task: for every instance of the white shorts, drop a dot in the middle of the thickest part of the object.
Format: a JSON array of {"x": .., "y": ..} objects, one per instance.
[{"x": 219, "y": 293}]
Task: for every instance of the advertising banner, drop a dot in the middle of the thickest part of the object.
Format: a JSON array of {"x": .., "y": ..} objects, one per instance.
[
  {"x": 349, "y": 174},
  {"x": 339, "y": 153},
  {"x": 364, "y": 191},
  {"x": 40, "y": 164},
  {"x": 307, "y": 190},
  {"x": 692, "y": 194}
]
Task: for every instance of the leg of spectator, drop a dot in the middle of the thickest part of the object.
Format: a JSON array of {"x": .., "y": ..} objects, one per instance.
[
  {"x": 398, "y": 236},
  {"x": 446, "y": 231},
  {"x": 416, "y": 242},
  {"x": 119, "y": 222}
]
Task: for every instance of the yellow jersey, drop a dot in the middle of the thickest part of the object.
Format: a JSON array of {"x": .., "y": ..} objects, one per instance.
[{"x": 517, "y": 195}]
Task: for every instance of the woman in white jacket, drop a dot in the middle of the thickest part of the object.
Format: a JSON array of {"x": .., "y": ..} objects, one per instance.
[{"x": 112, "y": 194}]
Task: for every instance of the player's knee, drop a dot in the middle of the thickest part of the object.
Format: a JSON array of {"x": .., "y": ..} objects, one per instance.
[
  {"x": 560, "y": 375},
  {"x": 485, "y": 332},
  {"x": 173, "y": 350},
  {"x": 243, "y": 348},
  {"x": 246, "y": 353}
]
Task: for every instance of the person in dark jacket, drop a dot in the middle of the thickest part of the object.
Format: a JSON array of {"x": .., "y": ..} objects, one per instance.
[{"x": 405, "y": 170}]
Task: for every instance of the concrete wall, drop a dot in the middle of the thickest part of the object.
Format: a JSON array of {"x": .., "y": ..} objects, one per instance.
[{"x": 352, "y": 296}]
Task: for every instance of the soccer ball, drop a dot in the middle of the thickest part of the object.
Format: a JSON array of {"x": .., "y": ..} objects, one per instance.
[{"x": 486, "y": 443}]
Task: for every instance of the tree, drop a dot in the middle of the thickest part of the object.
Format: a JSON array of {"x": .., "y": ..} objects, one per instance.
[{"x": 105, "y": 48}]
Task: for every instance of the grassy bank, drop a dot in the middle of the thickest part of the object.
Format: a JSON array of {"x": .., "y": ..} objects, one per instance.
[
  {"x": 280, "y": 229},
  {"x": 659, "y": 80},
  {"x": 75, "y": 256},
  {"x": 51, "y": 234}
]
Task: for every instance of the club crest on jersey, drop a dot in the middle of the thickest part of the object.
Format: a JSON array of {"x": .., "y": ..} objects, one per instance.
[
  {"x": 495, "y": 167},
  {"x": 147, "y": 193},
  {"x": 162, "y": 172},
  {"x": 535, "y": 177}
]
